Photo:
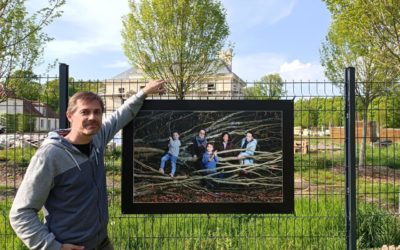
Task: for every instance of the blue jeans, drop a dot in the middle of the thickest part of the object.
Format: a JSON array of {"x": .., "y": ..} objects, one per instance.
[
  {"x": 246, "y": 161},
  {"x": 173, "y": 159}
]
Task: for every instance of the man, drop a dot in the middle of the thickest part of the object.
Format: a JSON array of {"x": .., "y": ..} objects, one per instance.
[
  {"x": 199, "y": 144},
  {"x": 66, "y": 177},
  {"x": 197, "y": 148}
]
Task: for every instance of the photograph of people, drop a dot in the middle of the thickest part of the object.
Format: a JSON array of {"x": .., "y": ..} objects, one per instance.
[
  {"x": 173, "y": 153},
  {"x": 249, "y": 144},
  {"x": 199, "y": 144},
  {"x": 225, "y": 143},
  {"x": 209, "y": 162}
]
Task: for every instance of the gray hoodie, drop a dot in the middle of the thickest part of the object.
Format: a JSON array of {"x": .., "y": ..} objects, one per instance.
[
  {"x": 70, "y": 187},
  {"x": 173, "y": 147}
]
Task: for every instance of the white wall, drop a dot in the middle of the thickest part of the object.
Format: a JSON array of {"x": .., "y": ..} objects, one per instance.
[{"x": 12, "y": 106}]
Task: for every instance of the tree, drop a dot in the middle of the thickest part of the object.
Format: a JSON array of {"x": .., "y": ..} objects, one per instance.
[
  {"x": 384, "y": 26},
  {"x": 385, "y": 110},
  {"x": 306, "y": 113},
  {"x": 50, "y": 91},
  {"x": 269, "y": 87},
  {"x": 350, "y": 43},
  {"x": 22, "y": 39},
  {"x": 177, "y": 40},
  {"x": 24, "y": 85}
]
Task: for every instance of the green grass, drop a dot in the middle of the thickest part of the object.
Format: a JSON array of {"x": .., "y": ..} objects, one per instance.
[
  {"x": 316, "y": 224},
  {"x": 19, "y": 156},
  {"x": 8, "y": 240}
]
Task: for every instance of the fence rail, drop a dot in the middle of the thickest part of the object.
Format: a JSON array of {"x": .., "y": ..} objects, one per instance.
[{"x": 319, "y": 221}]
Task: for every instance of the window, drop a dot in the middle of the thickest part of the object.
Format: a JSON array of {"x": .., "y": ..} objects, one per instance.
[
  {"x": 211, "y": 88},
  {"x": 48, "y": 124},
  {"x": 41, "y": 123},
  {"x": 121, "y": 90}
]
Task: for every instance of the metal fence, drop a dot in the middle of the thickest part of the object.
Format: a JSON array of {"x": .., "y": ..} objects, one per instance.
[{"x": 319, "y": 221}]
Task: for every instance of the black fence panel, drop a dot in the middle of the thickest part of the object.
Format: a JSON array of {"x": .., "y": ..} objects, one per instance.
[{"x": 319, "y": 221}]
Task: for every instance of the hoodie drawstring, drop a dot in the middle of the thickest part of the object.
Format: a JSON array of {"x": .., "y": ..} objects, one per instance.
[{"x": 76, "y": 162}]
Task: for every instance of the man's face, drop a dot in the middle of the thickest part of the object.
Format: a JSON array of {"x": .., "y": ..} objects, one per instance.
[
  {"x": 202, "y": 134},
  {"x": 86, "y": 118},
  {"x": 249, "y": 137}
]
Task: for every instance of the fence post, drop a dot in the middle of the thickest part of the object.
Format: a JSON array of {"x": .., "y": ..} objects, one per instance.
[
  {"x": 63, "y": 100},
  {"x": 350, "y": 158}
]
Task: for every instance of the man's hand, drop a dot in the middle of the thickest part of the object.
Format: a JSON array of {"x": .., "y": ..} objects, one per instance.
[
  {"x": 154, "y": 87},
  {"x": 71, "y": 247}
]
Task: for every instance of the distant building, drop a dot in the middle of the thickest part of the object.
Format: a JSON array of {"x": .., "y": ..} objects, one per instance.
[
  {"x": 224, "y": 84},
  {"x": 39, "y": 116}
]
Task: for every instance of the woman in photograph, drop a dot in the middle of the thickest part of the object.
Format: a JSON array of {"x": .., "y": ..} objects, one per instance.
[
  {"x": 225, "y": 143},
  {"x": 248, "y": 144}
]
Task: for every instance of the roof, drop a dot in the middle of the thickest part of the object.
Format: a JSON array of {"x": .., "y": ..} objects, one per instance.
[
  {"x": 134, "y": 73},
  {"x": 50, "y": 113},
  {"x": 29, "y": 109},
  {"x": 127, "y": 74}
]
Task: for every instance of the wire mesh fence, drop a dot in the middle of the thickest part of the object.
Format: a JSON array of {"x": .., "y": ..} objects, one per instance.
[{"x": 319, "y": 218}]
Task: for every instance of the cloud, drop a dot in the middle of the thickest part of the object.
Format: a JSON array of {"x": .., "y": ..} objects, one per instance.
[
  {"x": 252, "y": 67},
  {"x": 86, "y": 27},
  {"x": 298, "y": 71}
]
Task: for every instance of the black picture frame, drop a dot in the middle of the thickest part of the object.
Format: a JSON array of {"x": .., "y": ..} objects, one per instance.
[{"x": 273, "y": 108}]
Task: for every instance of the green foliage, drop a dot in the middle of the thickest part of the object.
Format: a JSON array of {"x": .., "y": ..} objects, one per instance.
[
  {"x": 17, "y": 123},
  {"x": 24, "y": 85},
  {"x": 376, "y": 227},
  {"x": 319, "y": 112},
  {"x": 269, "y": 87},
  {"x": 324, "y": 227},
  {"x": 384, "y": 24},
  {"x": 351, "y": 42},
  {"x": 22, "y": 39},
  {"x": 177, "y": 41},
  {"x": 50, "y": 93},
  {"x": 385, "y": 110},
  {"x": 17, "y": 156}
]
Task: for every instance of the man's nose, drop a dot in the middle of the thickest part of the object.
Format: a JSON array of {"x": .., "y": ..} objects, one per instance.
[{"x": 92, "y": 116}]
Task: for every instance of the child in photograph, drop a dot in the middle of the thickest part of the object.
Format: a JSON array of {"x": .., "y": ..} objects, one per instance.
[
  {"x": 209, "y": 162},
  {"x": 173, "y": 153}
]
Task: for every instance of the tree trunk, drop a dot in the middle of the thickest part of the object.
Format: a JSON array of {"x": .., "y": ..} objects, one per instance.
[{"x": 362, "y": 154}]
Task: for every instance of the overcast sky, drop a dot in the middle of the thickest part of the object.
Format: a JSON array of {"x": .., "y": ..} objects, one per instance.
[{"x": 270, "y": 36}]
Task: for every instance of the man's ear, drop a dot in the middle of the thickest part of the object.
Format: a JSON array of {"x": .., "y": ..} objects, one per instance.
[{"x": 68, "y": 114}]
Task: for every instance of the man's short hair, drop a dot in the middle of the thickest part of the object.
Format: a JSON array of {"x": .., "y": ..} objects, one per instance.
[{"x": 85, "y": 96}]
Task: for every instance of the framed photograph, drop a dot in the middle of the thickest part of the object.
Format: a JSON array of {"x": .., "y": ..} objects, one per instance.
[{"x": 202, "y": 156}]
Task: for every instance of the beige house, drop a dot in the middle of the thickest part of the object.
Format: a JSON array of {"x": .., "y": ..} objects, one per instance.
[
  {"x": 224, "y": 84},
  {"x": 41, "y": 116}
]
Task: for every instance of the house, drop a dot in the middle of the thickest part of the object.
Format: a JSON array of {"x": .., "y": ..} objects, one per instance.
[
  {"x": 36, "y": 116},
  {"x": 224, "y": 84}
]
